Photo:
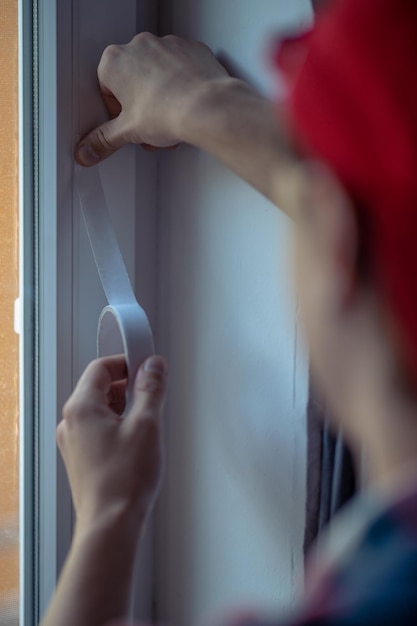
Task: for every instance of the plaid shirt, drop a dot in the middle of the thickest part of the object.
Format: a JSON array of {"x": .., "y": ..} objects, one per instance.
[{"x": 367, "y": 573}]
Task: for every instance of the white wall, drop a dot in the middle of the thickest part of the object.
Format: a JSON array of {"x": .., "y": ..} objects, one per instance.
[{"x": 231, "y": 518}]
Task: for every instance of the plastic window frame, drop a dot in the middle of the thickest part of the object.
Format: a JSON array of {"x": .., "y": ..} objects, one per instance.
[{"x": 53, "y": 248}]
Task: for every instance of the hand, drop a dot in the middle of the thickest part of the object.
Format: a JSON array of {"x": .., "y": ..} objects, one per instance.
[
  {"x": 147, "y": 86},
  {"x": 114, "y": 465}
]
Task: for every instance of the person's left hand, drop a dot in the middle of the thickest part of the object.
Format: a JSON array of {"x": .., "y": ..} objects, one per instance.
[
  {"x": 150, "y": 86},
  {"x": 114, "y": 465}
]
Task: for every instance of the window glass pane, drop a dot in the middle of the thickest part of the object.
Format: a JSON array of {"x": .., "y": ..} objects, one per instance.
[{"x": 9, "y": 347}]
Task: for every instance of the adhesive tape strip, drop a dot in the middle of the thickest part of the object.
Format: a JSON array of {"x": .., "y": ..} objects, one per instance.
[{"x": 123, "y": 326}]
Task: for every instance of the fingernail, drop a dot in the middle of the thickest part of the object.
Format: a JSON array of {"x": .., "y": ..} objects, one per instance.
[
  {"x": 86, "y": 155},
  {"x": 156, "y": 365}
]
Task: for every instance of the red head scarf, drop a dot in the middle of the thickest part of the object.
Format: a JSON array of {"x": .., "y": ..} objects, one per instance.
[{"x": 353, "y": 103}]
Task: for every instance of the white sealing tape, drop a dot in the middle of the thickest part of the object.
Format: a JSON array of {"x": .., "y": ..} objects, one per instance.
[{"x": 123, "y": 326}]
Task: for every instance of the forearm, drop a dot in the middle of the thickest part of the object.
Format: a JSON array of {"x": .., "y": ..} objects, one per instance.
[
  {"x": 94, "y": 587},
  {"x": 232, "y": 122}
]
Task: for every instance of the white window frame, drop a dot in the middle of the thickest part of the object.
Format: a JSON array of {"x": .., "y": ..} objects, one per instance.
[
  {"x": 54, "y": 292},
  {"x": 64, "y": 321}
]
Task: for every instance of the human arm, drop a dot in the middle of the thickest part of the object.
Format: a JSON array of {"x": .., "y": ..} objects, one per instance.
[
  {"x": 114, "y": 469},
  {"x": 164, "y": 91}
]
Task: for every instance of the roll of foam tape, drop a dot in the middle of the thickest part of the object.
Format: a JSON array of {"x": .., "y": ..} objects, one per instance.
[{"x": 123, "y": 327}]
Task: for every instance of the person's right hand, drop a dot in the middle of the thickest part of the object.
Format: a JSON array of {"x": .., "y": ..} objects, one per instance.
[
  {"x": 114, "y": 465},
  {"x": 148, "y": 85}
]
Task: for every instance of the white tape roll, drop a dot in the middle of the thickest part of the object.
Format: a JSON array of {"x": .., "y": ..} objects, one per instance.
[{"x": 123, "y": 326}]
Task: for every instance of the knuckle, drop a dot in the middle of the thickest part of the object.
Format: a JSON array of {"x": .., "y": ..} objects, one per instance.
[
  {"x": 67, "y": 409},
  {"x": 203, "y": 47},
  {"x": 103, "y": 145},
  {"x": 171, "y": 37},
  {"x": 72, "y": 409},
  {"x": 94, "y": 365},
  {"x": 60, "y": 434},
  {"x": 109, "y": 59},
  {"x": 143, "y": 37},
  {"x": 111, "y": 53},
  {"x": 152, "y": 384}
]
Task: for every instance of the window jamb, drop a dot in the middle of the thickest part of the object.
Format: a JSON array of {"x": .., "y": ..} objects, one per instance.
[
  {"x": 64, "y": 260},
  {"x": 54, "y": 287}
]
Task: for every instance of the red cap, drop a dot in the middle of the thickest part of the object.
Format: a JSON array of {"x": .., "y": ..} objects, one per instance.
[{"x": 353, "y": 104}]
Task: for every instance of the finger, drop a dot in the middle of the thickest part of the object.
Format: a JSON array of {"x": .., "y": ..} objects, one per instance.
[
  {"x": 117, "y": 396},
  {"x": 149, "y": 148},
  {"x": 102, "y": 373},
  {"x": 112, "y": 104},
  {"x": 102, "y": 142},
  {"x": 149, "y": 391}
]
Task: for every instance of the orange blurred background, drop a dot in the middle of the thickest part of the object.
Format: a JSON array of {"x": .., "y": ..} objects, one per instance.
[{"x": 9, "y": 364}]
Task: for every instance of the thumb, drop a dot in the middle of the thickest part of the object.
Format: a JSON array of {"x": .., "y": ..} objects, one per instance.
[
  {"x": 149, "y": 391},
  {"x": 101, "y": 142}
]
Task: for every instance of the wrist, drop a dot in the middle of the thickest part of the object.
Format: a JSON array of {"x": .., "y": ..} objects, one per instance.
[
  {"x": 203, "y": 109},
  {"x": 101, "y": 561},
  {"x": 109, "y": 524}
]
